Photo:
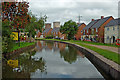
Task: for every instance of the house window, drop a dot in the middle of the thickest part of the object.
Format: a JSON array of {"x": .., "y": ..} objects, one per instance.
[
  {"x": 81, "y": 31},
  {"x": 84, "y": 32},
  {"x": 118, "y": 27},
  {"x": 107, "y": 37},
  {"x": 92, "y": 31},
  {"x": 107, "y": 29},
  {"x": 96, "y": 29},
  {"x": 87, "y": 30},
  {"x": 113, "y": 28}
]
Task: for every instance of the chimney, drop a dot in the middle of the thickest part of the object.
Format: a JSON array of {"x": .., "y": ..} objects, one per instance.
[
  {"x": 102, "y": 17},
  {"x": 92, "y": 19}
]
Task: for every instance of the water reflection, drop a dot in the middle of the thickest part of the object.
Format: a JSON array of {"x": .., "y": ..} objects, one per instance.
[
  {"x": 27, "y": 64},
  {"x": 52, "y": 60},
  {"x": 67, "y": 52}
]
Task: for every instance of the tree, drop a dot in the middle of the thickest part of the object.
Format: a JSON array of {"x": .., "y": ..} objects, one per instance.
[
  {"x": 69, "y": 28},
  {"x": 14, "y": 16},
  {"x": 16, "y": 12},
  {"x": 7, "y": 41},
  {"x": 41, "y": 22},
  {"x": 35, "y": 24}
]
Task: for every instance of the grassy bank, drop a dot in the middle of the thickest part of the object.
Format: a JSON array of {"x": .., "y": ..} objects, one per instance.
[
  {"x": 106, "y": 53},
  {"x": 22, "y": 44},
  {"x": 94, "y": 43}
]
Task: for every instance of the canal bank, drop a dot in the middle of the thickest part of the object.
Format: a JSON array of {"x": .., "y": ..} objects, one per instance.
[
  {"x": 108, "y": 67},
  {"x": 19, "y": 51}
]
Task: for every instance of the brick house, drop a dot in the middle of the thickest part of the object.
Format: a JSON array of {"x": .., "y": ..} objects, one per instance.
[
  {"x": 79, "y": 32},
  {"x": 47, "y": 32},
  {"x": 112, "y": 30},
  {"x": 97, "y": 30},
  {"x": 57, "y": 34},
  {"x": 87, "y": 31}
]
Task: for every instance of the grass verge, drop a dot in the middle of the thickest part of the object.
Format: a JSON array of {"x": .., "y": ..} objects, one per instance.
[{"x": 22, "y": 44}]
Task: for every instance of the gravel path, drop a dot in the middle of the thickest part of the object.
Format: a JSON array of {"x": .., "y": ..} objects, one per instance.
[{"x": 113, "y": 49}]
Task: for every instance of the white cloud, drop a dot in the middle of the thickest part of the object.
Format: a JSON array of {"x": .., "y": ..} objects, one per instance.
[{"x": 63, "y": 10}]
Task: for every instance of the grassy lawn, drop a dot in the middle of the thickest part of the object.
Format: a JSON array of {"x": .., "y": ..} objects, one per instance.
[
  {"x": 94, "y": 43},
  {"x": 22, "y": 44},
  {"x": 106, "y": 53}
]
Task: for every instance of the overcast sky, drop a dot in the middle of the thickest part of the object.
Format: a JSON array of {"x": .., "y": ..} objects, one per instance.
[{"x": 64, "y": 10}]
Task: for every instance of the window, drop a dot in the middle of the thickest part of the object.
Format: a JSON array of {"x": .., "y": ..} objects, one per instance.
[
  {"x": 107, "y": 29},
  {"x": 107, "y": 37},
  {"x": 96, "y": 29},
  {"x": 113, "y": 28},
  {"x": 92, "y": 31},
  {"x": 84, "y": 32},
  {"x": 118, "y": 27},
  {"x": 87, "y": 30},
  {"x": 81, "y": 31}
]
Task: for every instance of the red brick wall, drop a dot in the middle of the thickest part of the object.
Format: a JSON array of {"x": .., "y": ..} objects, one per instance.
[
  {"x": 78, "y": 35},
  {"x": 49, "y": 33},
  {"x": 101, "y": 30}
]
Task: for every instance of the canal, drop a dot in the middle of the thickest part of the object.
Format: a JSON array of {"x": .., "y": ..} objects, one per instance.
[{"x": 51, "y": 60}]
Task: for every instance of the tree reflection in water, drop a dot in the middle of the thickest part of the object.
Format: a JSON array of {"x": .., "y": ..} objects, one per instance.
[
  {"x": 69, "y": 55},
  {"x": 27, "y": 64}
]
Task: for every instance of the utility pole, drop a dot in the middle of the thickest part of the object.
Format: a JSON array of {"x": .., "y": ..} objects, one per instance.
[{"x": 79, "y": 17}]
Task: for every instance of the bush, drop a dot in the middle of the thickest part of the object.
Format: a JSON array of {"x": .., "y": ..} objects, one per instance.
[{"x": 49, "y": 37}]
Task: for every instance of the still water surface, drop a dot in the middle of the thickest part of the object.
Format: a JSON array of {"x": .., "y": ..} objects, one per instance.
[{"x": 51, "y": 60}]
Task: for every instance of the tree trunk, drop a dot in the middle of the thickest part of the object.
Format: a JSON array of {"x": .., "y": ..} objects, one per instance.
[{"x": 30, "y": 37}]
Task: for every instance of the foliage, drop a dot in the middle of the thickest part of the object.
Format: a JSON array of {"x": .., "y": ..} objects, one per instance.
[
  {"x": 7, "y": 42},
  {"x": 41, "y": 22},
  {"x": 14, "y": 17},
  {"x": 35, "y": 24},
  {"x": 16, "y": 12},
  {"x": 49, "y": 37},
  {"x": 70, "y": 28}
]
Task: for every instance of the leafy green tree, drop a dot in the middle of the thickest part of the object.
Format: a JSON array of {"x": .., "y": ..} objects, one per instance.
[
  {"x": 7, "y": 42},
  {"x": 35, "y": 24},
  {"x": 69, "y": 28},
  {"x": 31, "y": 26},
  {"x": 41, "y": 22}
]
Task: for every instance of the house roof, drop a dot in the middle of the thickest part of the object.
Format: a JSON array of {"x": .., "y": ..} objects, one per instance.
[
  {"x": 100, "y": 22},
  {"x": 56, "y": 29},
  {"x": 113, "y": 22},
  {"x": 80, "y": 24},
  {"x": 46, "y": 30},
  {"x": 90, "y": 24}
]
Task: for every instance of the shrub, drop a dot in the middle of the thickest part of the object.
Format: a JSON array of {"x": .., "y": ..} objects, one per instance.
[{"x": 49, "y": 37}]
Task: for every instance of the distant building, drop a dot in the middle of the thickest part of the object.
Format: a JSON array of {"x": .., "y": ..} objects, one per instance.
[
  {"x": 47, "y": 32},
  {"x": 56, "y": 31},
  {"x": 47, "y": 25},
  {"x": 112, "y": 30},
  {"x": 79, "y": 32},
  {"x": 56, "y": 24}
]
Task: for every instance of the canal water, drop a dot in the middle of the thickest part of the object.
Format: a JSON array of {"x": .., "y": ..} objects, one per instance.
[{"x": 51, "y": 60}]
